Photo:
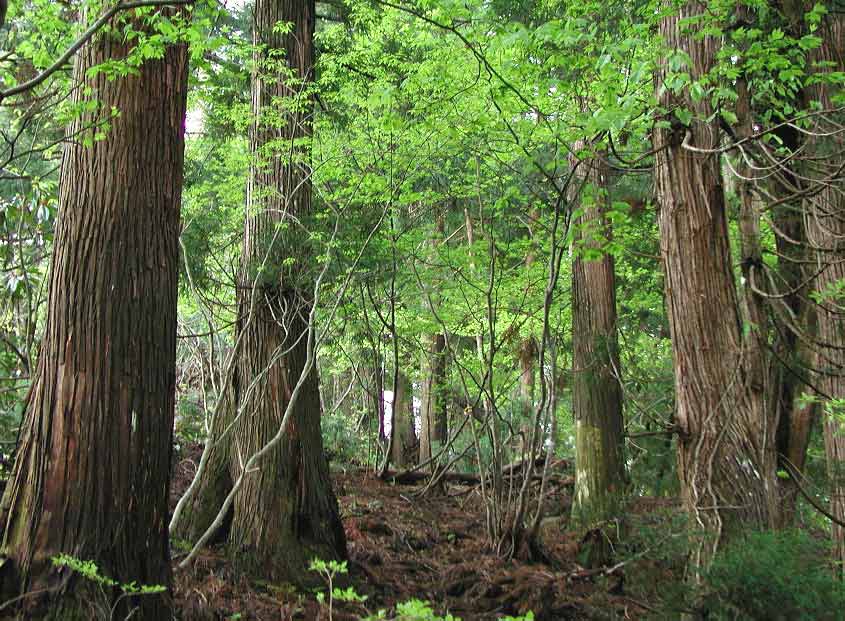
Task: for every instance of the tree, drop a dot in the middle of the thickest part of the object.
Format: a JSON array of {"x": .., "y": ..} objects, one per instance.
[
  {"x": 284, "y": 512},
  {"x": 92, "y": 474},
  {"x": 826, "y": 232},
  {"x": 402, "y": 422},
  {"x": 726, "y": 459},
  {"x": 433, "y": 405},
  {"x": 433, "y": 418},
  {"x": 596, "y": 392}
]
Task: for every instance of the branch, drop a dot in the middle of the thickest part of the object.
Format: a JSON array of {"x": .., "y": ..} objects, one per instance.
[
  {"x": 82, "y": 40},
  {"x": 795, "y": 476}
]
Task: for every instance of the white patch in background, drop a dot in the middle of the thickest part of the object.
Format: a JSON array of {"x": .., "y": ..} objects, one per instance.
[
  {"x": 388, "y": 413},
  {"x": 194, "y": 121}
]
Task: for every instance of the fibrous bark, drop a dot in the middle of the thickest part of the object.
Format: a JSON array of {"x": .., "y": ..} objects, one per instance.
[
  {"x": 402, "y": 423},
  {"x": 433, "y": 406},
  {"x": 726, "y": 453},
  {"x": 596, "y": 393},
  {"x": 92, "y": 473},
  {"x": 285, "y": 513},
  {"x": 826, "y": 233}
]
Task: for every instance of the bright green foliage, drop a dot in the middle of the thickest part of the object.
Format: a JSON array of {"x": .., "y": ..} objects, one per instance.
[
  {"x": 412, "y": 610},
  {"x": 90, "y": 571}
]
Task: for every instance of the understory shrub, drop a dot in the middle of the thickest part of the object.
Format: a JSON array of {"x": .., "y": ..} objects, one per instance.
[{"x": 783, "y": 575}]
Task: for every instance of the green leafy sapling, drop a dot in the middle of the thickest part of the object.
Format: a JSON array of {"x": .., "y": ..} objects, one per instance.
[{"x": 330, "y": 569}]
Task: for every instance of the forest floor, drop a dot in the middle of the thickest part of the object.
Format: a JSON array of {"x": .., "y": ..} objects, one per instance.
[{"x": 432, "y": 548}]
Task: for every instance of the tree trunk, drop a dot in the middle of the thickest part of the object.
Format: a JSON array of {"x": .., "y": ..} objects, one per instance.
[
  {"x": 726, "y": 438},
  {"x": 433, "y": 410},
  {"x": 596, "y": 394},
  {"x": 93, "y": 468},
  {"x": 826, "y": 233},
  {"x": 286, "y": 513},
  {"x": 404, "y": 438},
  {"x": 527, "y": 382}
]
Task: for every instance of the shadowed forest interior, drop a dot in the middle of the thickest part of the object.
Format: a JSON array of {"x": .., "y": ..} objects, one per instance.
[{"x": 422, "y": 310}]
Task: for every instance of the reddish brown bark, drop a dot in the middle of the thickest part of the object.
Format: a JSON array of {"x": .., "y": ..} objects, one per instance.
[
  {"x": 596, "y": 392},
  {"x": 826, "y": 233},
  {"x": 726, "y": 450},
  {"x": 91, "y": 478},
  {"x": 286, "y": 513}
]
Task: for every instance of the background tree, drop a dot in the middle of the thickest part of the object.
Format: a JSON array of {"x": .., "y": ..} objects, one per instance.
[
  {"x": 596, "y": 392},
  {"x": 284, "y": 513}
]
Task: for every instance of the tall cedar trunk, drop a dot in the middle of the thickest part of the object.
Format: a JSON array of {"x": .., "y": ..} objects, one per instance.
[
  {"x": 596, "y": 393},
  {"x": 404, "y": 438},
  {"x": 795, "y": 356},
  {"x": 527, "y": 383},
  {"x": 827, "y": 234},
  {"x": 792, "y": 356},
  {"x": 433, "y": 406},
  {"x": 726, "y": 451},
  {"x": 91, "y": 478},
  {"x": 286, "y": 513},
  {"x": 527, "y": 356}
]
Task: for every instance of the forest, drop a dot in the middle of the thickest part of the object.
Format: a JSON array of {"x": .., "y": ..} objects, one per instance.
[{"x": 422, "y": 310}]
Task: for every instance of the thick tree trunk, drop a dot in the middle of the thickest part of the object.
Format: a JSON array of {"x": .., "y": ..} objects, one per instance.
[
  {"x": 826, "y": 233},
  {"x": 597, "y": 393},
  {"x": 286, "y": 513},
  {"x": 433, "y": 410},
  {"x": 726, "y": 450},
  {"x": 404, "y": 438},
  {"x": 93, "y": 468}
]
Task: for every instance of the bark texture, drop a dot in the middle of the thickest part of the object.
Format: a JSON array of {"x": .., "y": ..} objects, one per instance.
[
  {"x": 93, "y": 468},
  {"x": 286, "y": 513},
  {"x": 826, "y": 231},
  {"x": 433, "y": 406},
  {"x": 726, "y": 455},
  {"x": 527, "y": 383},
  {"x": 404, "y": 437},
  {"x": 596, "y": 393}
]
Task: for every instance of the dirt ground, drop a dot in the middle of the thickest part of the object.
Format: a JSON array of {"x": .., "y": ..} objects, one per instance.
[{"x": 431, "y": 547}]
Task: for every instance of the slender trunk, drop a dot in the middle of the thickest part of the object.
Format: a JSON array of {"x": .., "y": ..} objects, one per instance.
[
  {"x": 93, "y": 468},
  {"x": 528, "y": 351},
  {"x": 597, "y": 393},
  {"x": 726, "y": 439},
  {"x": 433, "y": 410},
  {"x": 285, "y": 513},
  {"x": 527, "y": 384}
]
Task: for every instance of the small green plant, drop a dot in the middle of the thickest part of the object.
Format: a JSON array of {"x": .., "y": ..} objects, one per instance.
[
  {"x": 777, "y": 576},
  {"x": 330, "y": 569},
  {"x": 90, "y": 571},
  {"x": 412, "y": 610}
]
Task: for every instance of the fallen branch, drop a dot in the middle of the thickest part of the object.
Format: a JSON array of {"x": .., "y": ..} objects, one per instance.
[{"x": 463, "y": 478}]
